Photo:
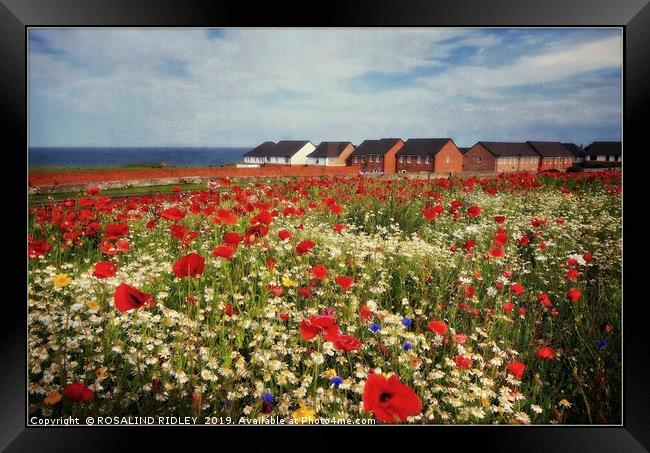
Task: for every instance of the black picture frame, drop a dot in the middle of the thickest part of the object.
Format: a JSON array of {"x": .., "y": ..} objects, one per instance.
[{"x": 633, "y": 15}]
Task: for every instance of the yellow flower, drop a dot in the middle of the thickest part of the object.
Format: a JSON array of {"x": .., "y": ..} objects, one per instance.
[
  {"x": 93, "y": 305},
  {"x": 329, "y": 374},
  {"x": 564, "y": 403},
  {"x": 61, "y": 280},
  {"x": 304, "y": 414},
  {"x": 286, "y": 281},
  {"x": 52, "y": 398}
]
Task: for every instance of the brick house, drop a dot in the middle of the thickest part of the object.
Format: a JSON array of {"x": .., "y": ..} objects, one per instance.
[
  {"x": 287, "y": 152},
  {"x": 439, "y": 155},
  {"x": 554, "y": 156},
  {"x": 376, "y": 156},
  {"x": 331, "y": 154},
  {"x": 604, "y": 151},
  {"x": 500, "y": 157},
  {"x": 576, "y": 151}
]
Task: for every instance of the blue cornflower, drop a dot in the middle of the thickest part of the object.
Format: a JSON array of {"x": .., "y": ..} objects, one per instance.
[
  {"x": 267, "y": 397},
  {"x": 407, "y": 322},
  {"x": 336, "y": 381},
  {"x": 407, "y": 346},
  {"x": 375, "y": 327},
  {"x": 601, "y": 344}
]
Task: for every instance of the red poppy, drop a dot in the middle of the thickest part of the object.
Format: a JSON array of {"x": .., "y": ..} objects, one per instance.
[
  {"x": 459, "y": 338},
  {"x": 508, "y": 307},
  {"x": 284, "y": 235},
  {"x": 431, "y": 212},
  {"x": 128, "y": 298},
  {"x": 574, "y": 295},
  {"x": 365, "y": 313},
  {"x": 499, "y": 219},
  {"x": 338, "y": 227},
  {"x": 115, "y": 231},
  {"x": 516, "y": 369},
  {"x": 389, "y": 400},
  {"x": 497, "y": 252},
  {"x": 176, "y": 189},
  {"x": 232, "y": 238},
  {"x": 572, "y": 275},
  {"x": 191, "y": 265},
  {"x": 319, "y": 271},
  {"x": 546, "y": 353},
  {"x": 469, "y": 245},
  {"x": 223, "y": 251},
  {"x": 305, "y": 292},
  {"x": 344, "y": 282},
  {"x": 174, "y": 214},
  {"x": 473, "y": 211},
  {"x": 275, "y": 290},
  {"x": 587, "y": 257},
  {"x": 438, "y": 327},
  {"x": 254, "y": 232},
  {"x": 469, "y": 291},
  {"x": 315, "y": 324},
  {"x": 501, "y": 237},
  {"x": 522, "y": 311},
  {"x": 524, "y": 240},
  {"x": 228, "y": 310},
  {"x": 38, "y": 248},
  {"x": 104, "y": 269},
  {"x": 77, "y": 391},
  {"x": 270, "y": 263},
  {"x": 517, "y": 288},
  {"x": 225, "y": 217},
  {"x": 284, "y": 316},
  {"x": 304, "y": 247},
  {"x": 264, "y": 217},
  {"x": 122, "y": 245},
  {"x": 94, "y": 191},
  {"x": 151, "y": 224},
  {"x": 344, "y": 342},
  {"x": 544, "y": 299},
  {"x": 462, "y": 362}
]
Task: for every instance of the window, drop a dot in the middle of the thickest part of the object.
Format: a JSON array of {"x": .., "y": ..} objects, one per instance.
[
  {"x": 268, "y": 158},
  {"x": 287, "y": 160},
  {"x": 447, "y": 159},
  {"x": 428, "y": 159},
  {"x": 356, "y": 159},
  {"x": 401, "y": 159},
  {"x": 607, "y": 158},
  {"x": 479, "y": 159},
  {"x": 408, "y": 159},
  {"x": 317, "y": 161},
  {"x": 419, "y": 159}
]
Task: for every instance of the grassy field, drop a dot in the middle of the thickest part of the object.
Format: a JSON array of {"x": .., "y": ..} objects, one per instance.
[{"x": 470, "y": 300}]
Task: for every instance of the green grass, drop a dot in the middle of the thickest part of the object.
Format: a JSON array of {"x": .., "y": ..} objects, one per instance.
[{"x": 144, "y": 190}]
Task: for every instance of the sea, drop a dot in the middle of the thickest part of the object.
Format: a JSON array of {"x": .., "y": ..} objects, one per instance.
[{"x": 123, "y": 156}]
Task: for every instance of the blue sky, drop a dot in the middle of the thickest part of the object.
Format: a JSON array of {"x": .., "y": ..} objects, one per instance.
[{"x": 240, "y": 87}]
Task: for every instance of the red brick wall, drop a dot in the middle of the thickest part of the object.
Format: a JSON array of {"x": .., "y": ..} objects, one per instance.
[
  {"x": 470, "y": 159},
  {"x": 82, "y": 177},
  {"x": 389, "y": 157},
  {"x": 413, "y": 166},
  {"x": 448, "y": 152}
]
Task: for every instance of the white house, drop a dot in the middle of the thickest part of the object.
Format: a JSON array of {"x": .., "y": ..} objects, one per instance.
[
  {"x": 604, "y": 151},
  {"x": 286, "y": 152},
  {"x": 331, "y": 154}
]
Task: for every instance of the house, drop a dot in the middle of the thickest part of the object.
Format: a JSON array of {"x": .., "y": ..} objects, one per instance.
[
  {"x": 439, "y": 155},
  {"x": 376, "y": 156},
  {"x": 554, "y": 156},
  {"x": 331, "y": 154},
  {"x": 577, "y": 152},
  {"x": 463, "y": 150},
  {"x": 288, "y": 152},
  {"x": 500, "y": 157},
  {"x": 604, "y": 151},
  {"x": 257, "y": 155}
]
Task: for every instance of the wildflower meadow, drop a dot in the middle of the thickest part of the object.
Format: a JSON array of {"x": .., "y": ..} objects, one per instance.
[{"x": 472, "y": 300}]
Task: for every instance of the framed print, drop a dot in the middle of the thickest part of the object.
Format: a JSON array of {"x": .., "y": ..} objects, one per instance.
[{"x": 387, "y": 218}]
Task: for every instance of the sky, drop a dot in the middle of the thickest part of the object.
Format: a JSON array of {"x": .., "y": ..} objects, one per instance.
[{"x": 241, "y": 87}]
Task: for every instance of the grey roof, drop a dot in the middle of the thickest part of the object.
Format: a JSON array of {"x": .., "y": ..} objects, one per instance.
[
  {"x": 329, "y": 149},
  {"x": 463, "y": 150},
  {"x": 261, "y": 150},
  {"x": 381, "y": 146},
  {"x": 509, "y": 149},
  {"x": 286, "y": 148},
  {"x": 604, "y": 149},
  {"x": 574, "y": 149},
  {"x": 422, "y": 146},
  {"x": 551, "y": 149}
]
